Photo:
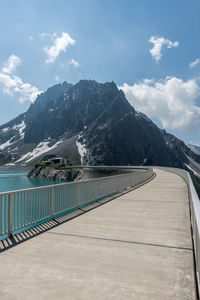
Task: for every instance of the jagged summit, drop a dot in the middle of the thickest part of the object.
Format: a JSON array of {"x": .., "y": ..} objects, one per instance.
[{"x": 89, "y": 122}]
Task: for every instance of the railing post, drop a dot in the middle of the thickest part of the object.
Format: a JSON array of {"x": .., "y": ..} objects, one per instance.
[
  {"x": 52, "y": 202},
  {"x": 9, "y": 215},
  {"x": 77, "y": 195},
  {"x": 19, "y": 213}
]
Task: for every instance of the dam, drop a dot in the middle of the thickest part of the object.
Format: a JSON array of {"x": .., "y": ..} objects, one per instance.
[{"x": 137, "y": 238}]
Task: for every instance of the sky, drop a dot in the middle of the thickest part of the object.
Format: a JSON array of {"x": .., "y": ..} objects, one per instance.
[{"x": 150, "y": 49}]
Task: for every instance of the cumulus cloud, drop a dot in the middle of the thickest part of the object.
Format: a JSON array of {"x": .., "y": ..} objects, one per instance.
[
  {"x": 74, "y": 62},
  {"x": 11, "y": 64},
  {"x": 172, "y": 101},
  {"x": 60, "y": 44},
  {"x": 158, "y": 44},
  {"x": 14, "y": 85},
  {"x": 194, "y": 63}
]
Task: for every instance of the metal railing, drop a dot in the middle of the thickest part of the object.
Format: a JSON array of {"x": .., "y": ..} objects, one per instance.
[
  {"x": 194, "y": 216},
  {"x": 23, "y": 209}
]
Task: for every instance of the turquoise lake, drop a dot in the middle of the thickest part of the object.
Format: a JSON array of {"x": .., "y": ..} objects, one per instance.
[
  {"x": 18, "y": 180},
  {"x": 27, "y": 207}
]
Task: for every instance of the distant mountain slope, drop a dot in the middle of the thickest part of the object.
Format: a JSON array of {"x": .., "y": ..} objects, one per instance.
[
  {"x": 89, "y": 122},
  {"x": 194, "y": 148}
]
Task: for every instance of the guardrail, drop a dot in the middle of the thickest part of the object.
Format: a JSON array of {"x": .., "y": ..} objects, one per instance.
[
  {"x": 23, "y": 209},
  {"x": 194, "y": 216}
]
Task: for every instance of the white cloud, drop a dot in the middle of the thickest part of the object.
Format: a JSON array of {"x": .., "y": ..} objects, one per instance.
[
  {"x": 60, "y": 44},
  {"x": 28, "y": 92},
  {"x": 172, "y": 101},
  {"x": 158, "y": 43},
  {"x": 194, "y": 63},
  {"x": 43, "y": 34},
  {"x": 14, "y": 85},
  {"x": 74, "y": 62},
  {"x": 47, "y": 34},
  {"x": 11, "y": 64},
  {"x": 31, "y": 37},
  {"x": 57, "y": 78}
]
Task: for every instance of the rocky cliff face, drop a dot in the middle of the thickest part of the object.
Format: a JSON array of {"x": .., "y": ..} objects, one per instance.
[
  {"x": 92, "y": 123},
  {"x": 48, "y": 173}
]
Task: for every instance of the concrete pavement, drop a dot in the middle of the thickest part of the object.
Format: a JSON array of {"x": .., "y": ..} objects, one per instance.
[{"x": 137, "y": 246}]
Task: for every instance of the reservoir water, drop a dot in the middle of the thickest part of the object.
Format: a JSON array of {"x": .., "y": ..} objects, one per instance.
[
  {"x": 28, "y": 207},
  {"x": 11, "y": 181}
]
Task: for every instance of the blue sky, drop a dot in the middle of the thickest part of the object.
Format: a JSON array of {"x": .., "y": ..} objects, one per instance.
[{"x": 145, "y": 47}]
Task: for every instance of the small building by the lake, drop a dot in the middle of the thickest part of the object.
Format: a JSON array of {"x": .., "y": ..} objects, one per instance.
[{"x": 61, "y": 161}]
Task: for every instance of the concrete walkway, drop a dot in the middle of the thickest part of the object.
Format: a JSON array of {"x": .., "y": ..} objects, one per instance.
[{"x": 137, "y": 246}]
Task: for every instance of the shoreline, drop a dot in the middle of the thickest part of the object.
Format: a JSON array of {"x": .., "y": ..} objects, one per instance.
[{"x": 15, "y": 168}]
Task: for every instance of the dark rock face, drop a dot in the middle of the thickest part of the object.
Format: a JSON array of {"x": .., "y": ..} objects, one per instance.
[
  {"x": 77, "y": 106},
  {"x": 96, "y": 116},
  {"x": 42, "y": 117},
  {"x": 48, "y": 173}
]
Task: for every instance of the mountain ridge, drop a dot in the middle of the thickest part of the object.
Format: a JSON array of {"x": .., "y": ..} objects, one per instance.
[{"x": 92, "y": 123}]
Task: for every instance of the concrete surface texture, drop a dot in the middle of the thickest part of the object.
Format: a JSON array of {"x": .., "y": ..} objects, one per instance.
[{"x": 137, "y": 246}]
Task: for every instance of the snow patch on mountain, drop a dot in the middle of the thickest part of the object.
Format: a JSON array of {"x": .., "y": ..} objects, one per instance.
[
  {"x": 4, "y": 130},
  {"x": 6, "y": 144},
  {"x": 81, "y": 148},
  {"x": 21, "y": 127},
  {"x": 41, "y": 148}
]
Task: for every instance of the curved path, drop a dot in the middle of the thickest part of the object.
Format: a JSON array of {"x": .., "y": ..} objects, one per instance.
[{"x": 137, "y": 246}]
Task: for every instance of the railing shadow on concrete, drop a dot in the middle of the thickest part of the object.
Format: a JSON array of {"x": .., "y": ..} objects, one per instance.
[
  {"x": 26, "y": 213},
  {"x": 27, "y": 234}
]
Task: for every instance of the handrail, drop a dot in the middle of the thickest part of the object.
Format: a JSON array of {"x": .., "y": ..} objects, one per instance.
[
  {"x": 85, "y": 180},
  {"x": 194, "y": 216},
  {"x": 23, "y": 209}
]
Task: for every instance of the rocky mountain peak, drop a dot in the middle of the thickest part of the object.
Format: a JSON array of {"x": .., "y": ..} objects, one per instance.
[{"x": 89, "y": 122}]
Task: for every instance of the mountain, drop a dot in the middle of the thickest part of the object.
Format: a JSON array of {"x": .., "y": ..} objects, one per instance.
[
  {"x": 194, "y": 148},
  {"x": 92, "y": 123}
]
